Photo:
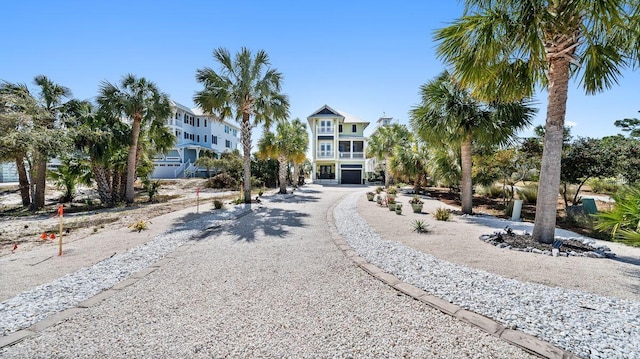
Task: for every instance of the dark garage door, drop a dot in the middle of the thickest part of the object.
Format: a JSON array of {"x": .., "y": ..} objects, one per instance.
[{"x": 351, "y": 177}]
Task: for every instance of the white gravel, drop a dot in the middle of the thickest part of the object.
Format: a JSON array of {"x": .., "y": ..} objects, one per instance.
[
  {"x": 270, "y": 284},
  {"x": 33, "y": 305},
  {"x": 586, "y": 324}
]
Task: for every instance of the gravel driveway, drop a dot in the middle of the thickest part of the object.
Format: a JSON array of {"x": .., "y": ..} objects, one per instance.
[{"x": 271, "y": 284}]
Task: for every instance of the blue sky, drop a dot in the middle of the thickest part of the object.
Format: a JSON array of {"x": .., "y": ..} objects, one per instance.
[{"x": 367, "y": 58}]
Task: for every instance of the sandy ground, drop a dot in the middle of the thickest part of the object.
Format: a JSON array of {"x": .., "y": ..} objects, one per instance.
[
  {"x": 96, "y": 235},
  {"x": 36, "y": 262},
  {"x": 457, "y": 241}
]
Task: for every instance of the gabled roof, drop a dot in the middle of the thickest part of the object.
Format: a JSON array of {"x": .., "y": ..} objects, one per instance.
[{"x": 326, "y": 111}]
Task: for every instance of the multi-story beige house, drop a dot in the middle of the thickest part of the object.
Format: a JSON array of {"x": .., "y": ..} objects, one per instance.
[{"x": 337, "y": 147}]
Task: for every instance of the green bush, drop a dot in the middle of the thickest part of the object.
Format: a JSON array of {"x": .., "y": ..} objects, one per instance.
[
  {"x": 494, "y": 191},
  {"x": 222, "y": 180},
  {"x": 442, "y": 214},
  {"x": 623, "y": 221},
  {"x": 217, "y": 204},
  {"x": 528, "y": 194},
  {"x": 420, "y": 226},
  {"x": 603, "y": 185}
]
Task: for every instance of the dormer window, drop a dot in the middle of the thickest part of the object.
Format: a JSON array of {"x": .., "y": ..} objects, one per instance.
[{"x": 354, "y": 128}]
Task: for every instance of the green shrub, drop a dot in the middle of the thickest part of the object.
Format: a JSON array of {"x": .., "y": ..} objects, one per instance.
[
  {"x": 217, "y": 204},
  {"x": 392, "y": 190},
  {"x": 222, "y": 180},
  {"x": 420, "y": 226},
  {"x": 623, "y": 221},
  {"x": 603, "y": 185},
  {"x": 494, "y": 191},
  {"x": 442, "y": 214},
  {"x": 528, "y": 194}
]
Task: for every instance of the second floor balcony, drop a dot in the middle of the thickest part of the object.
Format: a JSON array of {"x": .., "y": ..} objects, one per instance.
[
  {"x": 351, "y": 155},
  {"x": 324, "y": 154},
  {"x": 324, "y": 129}
]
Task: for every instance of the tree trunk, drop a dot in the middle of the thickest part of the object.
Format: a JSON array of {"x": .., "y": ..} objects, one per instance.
[
  {"x": 246, "y": 149},
  {"x": 546, "y": 207},
  {"x": 282, "y": 174},
  {"x": 466, "y": 194},
  {"x": 387, "y": 171},
  {"x": 23, "y": 181},
  {"x": 131, "y": 160},
  {"x": 295, "y": 174},
  {"x": 41, "y": 180},
  {"x": 102, "y": 183}
]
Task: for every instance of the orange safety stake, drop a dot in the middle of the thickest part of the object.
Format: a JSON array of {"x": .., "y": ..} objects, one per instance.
[
  {"x": 44, "y": 236},
  {"x": 60, "y": 213},
  {"x": 52, "y": 236}
]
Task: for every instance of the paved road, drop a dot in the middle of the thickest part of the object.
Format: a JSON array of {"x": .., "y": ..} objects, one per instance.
[{"x": 272, "y": 284}]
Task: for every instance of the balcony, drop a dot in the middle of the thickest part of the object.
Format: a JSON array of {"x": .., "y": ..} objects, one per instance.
[
  {"x": 324, "y": 154},
  {"x": 351, "y": 155},
  {"x": 324, "y": 130}
]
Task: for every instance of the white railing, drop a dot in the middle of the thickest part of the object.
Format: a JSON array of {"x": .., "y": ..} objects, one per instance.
[
  {"x": 324, "y": 129},
  {"x": 324, "y": 154},
  {"x": 177, "y": 171},
  {"x": 353, "y": 155}
]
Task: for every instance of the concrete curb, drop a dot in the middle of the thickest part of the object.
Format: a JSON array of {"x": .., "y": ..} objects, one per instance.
[
  {"x": 57, "y": 318},
  {"x": 525, "y": 341}
]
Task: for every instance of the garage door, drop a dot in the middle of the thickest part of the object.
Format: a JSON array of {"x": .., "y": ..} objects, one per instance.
[{"x": 351, "y": 177}]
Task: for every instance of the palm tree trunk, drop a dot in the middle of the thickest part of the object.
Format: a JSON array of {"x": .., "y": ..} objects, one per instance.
[
  {"x": 546, "y": 207},
  {"x": 102, "y": 183},
  {"x": 282, "y": 174},
  {"x": 131, "y": 160},
  {"x": 41, "y": 180},
  {"x": 387, "y": 171},
  {"x": 467, "y": 185},
  {"x": 246, "y": 149},
  {"x": 23, "y": 181}
]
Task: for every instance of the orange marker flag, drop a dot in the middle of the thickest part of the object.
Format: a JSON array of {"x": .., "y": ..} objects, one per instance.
[{"x": 43, "y": 236}]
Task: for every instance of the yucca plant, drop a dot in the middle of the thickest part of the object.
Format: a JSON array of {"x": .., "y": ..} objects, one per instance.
[
  {"x": 420, "y": 226},
  {"x": 624, "y": 219},
  {"x": 442, "y": 214}
]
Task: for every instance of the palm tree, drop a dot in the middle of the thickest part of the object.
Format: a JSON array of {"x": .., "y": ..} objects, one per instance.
[
  {"x": 410, "y": 163},
  {"x": 244, "y": 88},
  {"x": 51, "y": 95},
  {"x": 288, "y": 143},
  {"x": 140, "y": 102},
  {"x": 503, "y": 49},
  {"x": 449, "y": 114},
  {"x": 382, "y": 142}
]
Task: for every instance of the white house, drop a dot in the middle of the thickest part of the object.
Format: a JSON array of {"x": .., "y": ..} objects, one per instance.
[{"x": 195, "y": 133}]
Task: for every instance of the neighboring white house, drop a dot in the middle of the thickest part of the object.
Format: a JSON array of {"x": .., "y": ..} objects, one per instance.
[
  {"x": 337, "y": 147},
  {"x": 195, "y": 133},
  {"x": 8, "y": 172}
]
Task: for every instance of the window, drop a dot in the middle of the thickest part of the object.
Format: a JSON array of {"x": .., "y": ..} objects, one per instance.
[
  {"x": 205, "y": 138},
  {"x": 198, "y": 122},
  {"x": 226, "y": 129},
  {"x": 176, "y": 115},
  {"x": 191, "y": 137},
  {"x": 354, "y": 128},
  {"x": 214, "y": 140},
  {"x": 340, "y": 128},
  {"x": 177, "y": 133},
  {"x": 227, "y": 144},
  {"x": 186, "y": 136},
  {"x": 234, "y": 132},
  {"x": 198, "y": 138},
  {"x": 205, "y": 124}
]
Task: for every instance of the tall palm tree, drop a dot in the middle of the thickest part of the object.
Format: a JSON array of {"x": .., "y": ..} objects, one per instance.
[
  {"x": 244, "y": 89},
  {"x": 51, "y": 97},
  {"x": 382, "y": 142},
  {"x": 301, "y": 137},
  {"x": 289, "y": 141},
  {"x": 448, "y": 113},
  {"x": 140, "y": 102},
  {"x": 503, "y": 49}
]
